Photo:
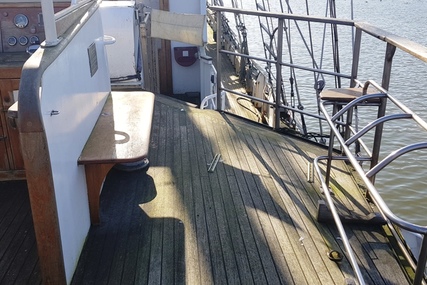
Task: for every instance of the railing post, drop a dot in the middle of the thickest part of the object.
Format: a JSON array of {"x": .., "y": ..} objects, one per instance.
[
  {"x": 206, "y": 87},
  {"x": 390, "y": 50},
  {"x": 356, "y": 57},
  {"x": 218, "y": 54},
  {"x": 278, "y": 73},
  {"x": 421, "y": 264},
  {"x": 382, "y": 108}
]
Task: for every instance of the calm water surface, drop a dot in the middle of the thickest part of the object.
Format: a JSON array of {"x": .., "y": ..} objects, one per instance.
[{"x": 403, "y": 185}]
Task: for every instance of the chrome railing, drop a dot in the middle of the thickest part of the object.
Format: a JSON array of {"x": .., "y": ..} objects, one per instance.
[
  {"x": 392, "y": 43},
  {"x": 394, "y": 222},
  {"x": 277, "y": 104}
]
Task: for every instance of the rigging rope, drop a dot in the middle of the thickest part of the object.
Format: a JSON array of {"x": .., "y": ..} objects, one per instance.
[{"x": 268, "y": 29}]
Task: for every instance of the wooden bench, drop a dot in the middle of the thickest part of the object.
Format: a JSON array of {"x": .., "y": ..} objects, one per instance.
[
  {"x": 346, "y": 95},
  {"x": 121, "y": 135}
]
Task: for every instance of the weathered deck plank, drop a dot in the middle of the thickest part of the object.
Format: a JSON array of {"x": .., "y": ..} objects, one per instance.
[
  {"x": 18, "y": 251},
  {"x": 250, "y": 221},
  {"x": 234, "y": 103}
]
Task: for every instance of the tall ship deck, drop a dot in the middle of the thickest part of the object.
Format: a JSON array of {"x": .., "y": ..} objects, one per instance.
[
  {"x": 250, "y": 219},
  {"x": 108, "y": 178}
]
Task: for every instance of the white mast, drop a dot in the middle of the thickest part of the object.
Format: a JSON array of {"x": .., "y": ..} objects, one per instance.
[{"x": 49, "y": 24}]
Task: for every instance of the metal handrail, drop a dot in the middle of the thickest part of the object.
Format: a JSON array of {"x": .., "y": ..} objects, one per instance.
[
  {"x": 393, "y": 156},
  {"x": 278, "y": 61},
  {"x": 391, "y": 219},
  {"x": 375, "y": 123},
  {"x": 392, "y": 40},
  {"x": 392, "y": 43},
  {"x": 210, "y": 99},
  {"x": 349, "y": 251}
]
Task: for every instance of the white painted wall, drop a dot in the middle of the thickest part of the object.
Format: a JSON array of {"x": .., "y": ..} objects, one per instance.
[
  {"x": 67, "y": 87},
  {"x": 186, "y": 79},
  {"x": 118, "y": 20}
]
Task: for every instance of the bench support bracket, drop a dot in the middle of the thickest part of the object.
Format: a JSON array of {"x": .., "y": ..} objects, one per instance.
[{"x": 95, "y": 176}]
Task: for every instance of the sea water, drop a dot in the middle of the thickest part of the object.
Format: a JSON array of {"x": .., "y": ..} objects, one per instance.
[{"x": 403, "y": 184}]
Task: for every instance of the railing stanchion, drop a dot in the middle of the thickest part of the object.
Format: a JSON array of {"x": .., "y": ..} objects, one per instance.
[
  {"x": 381, "y": 98},
  {"x": 219, "y": 98},
  {"x": 49, "y": 24},
  {"x": 278, "y": 74}
]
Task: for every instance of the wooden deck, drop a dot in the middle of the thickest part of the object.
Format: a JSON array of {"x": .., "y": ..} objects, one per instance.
[
  {"x": 234, "y": 104},
  {"x": 18, "y": 250},
  {"x": 252, "y": 220}
]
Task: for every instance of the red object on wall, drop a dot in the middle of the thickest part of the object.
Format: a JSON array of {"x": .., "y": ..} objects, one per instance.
[{"x": 186, "y": 56}]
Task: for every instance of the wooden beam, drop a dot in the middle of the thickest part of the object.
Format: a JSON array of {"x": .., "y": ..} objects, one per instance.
[
  {"x": 43, "y": 206},
  {"x": 165, "y": 60}
]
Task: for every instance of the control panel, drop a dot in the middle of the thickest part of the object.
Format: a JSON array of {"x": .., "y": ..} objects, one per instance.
[{"x": 21, "y": 26}]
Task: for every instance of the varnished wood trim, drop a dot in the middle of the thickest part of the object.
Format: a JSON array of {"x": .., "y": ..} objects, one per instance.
[
  {"x": 95, "y": 176},
  {"x": 11, "y": 70},
  {"x": 12, "y": 175},
  {"x": 122, "y": 132},
  {"x": 43, "y": 207},
  {"x": 165, "y": 60},
  {"x": 36, "y": 159}
]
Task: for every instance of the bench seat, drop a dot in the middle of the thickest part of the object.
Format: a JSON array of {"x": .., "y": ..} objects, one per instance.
[
  {"x": 121, "y": 135},
  {"x": 346, "y": 95}
]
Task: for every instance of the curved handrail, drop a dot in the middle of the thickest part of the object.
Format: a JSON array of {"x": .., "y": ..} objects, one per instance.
[
  {"x": 29, "y": 111},
  {"x": 393, "y": 156},
  {"x": 373, "y": 191},
  {"x": 382, "y": 96},
  {"x": 332, "y": 208},
  {"x": 356, "y": 101},
  {"x": 390, "y": 217},
  {"x": 208, "y": 99},
  {"x": 375, "y": 123}
]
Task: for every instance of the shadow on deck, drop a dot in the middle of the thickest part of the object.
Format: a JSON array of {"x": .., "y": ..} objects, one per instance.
[
  {"x": 250, "y": 221},
  {"x": 18, "y": 250}
]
